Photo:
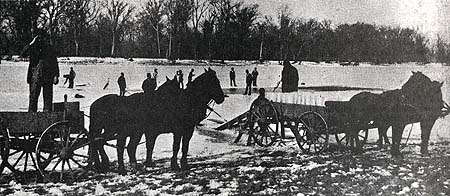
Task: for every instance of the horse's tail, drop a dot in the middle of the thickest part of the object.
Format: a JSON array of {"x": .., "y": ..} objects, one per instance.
[{"x": 99, "y": 116}]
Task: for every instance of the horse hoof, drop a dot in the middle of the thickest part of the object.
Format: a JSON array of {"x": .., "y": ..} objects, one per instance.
[
  {"x": 424, "y": 151},
  {"x": 185, "y": 167},
  {"x": 134, "y": 165},
  {"x": 184, "y": 164},
  {"x": 122, "y": 171},
  {"x": 149, "y": 164},
  {"x": 175, "y": 167}
]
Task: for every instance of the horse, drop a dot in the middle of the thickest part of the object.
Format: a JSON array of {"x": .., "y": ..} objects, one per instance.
[
  {"x": 372, "y": 103},
  {"x": 181, "y": 115},
  {"x": 419, "y": 100},
  {"x": 115, "y": 117}
]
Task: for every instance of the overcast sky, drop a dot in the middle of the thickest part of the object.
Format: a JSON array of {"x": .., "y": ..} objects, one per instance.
[{"x": 429, "y": 16}]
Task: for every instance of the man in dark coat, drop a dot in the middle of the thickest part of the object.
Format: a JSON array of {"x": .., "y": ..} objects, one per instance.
[
  {"x": 255, "y": 76},
  {"x": 70, "y": 77},
  {"x": 232, "y": 77},
  {"x": 248, "y": 82},
  {"x": 191, "y": 76},
  {"x": 122, "y": 84},
  {"x": 149, "y": 84},
  {"x": 180, "y": 79},
  {"x": 289, "y": 78},
  {"x": 43, "y": 70}
]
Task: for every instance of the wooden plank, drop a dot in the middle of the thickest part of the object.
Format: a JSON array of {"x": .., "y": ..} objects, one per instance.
[
  {"x": 29, "y": 122},
  {"x": 295, "y": 110},
  {"x": 233, "y": 122}
]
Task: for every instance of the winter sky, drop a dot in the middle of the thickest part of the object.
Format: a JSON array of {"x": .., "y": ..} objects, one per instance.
[{"x": 428, "y": 16}]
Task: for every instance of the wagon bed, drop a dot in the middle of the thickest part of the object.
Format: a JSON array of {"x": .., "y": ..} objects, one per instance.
[
  {"x": 312, "y": 121},
  {"x": 53, "y": 144}
]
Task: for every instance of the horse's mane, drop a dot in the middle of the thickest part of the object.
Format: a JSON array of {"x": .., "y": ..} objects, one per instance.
[
  {"x": 419, "y": 92},
  {"x": 422, "y": 92},
  {"x": 200, "y": 81}
]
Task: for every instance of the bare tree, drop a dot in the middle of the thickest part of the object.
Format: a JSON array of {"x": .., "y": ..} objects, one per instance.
[
  {"x": 224, "y": 11},
  {"x": 179, "y": 13},
  {"x": 52, "y": 13},
  {"x": 152, "y": 13},
  {"x": 80, "y": 15},
  {"x": 119, "y": 13},
  {"x": 198, "y": 12},
  {"x": 286, "y": 21}
]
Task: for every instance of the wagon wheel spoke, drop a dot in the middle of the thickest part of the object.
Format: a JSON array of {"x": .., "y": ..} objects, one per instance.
[
  {"x": 76, "y": 162},
  {"x": 61, "y": 174},
  {"x": 76, "y": 139},
  {"x": 16, "y": 151},
  {"x": 79, "y": 155},
  {"x": 26, "y": 162},
  {"x": 47, "y": 161},
  {"x": 54, "y": 167},
  {"x": 50, "y": 151},
  {"x": 20, "y": 157},
  {"x": 68, "y": 166},
  {"x": 68, "y": 136}
]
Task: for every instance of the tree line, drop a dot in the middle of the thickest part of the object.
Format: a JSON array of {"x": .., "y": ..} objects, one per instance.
[{"x": 214, "y": 30}]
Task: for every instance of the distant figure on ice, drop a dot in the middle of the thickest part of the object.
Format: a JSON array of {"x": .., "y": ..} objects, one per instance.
[
  {"x": 43, "y": 70},
  {"x": 190, "y": 76},
  {"x": 289, "y": 77},
  {"x": 106, "y": 85},
  {"x": 70, "y": 77},
  {"x": 180, "y": 78},
  {"x": 122, "y": 84},
  {"x": 149, "y": 84},
  {"x": 255, "y": 76},
  {"x": 232, "y": 78},
  {"x": 248, "y": 82},
  {"x": 155, "y": 75}
]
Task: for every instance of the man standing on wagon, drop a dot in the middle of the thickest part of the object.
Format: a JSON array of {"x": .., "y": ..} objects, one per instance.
[
  {"x": 289, "y": 77},
  {"x": 43, "y": 70}
]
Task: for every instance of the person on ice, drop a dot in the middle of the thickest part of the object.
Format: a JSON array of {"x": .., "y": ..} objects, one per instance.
[
  {"x": 248, "y": 82},
  {"x": 43, "y": 70},
  {"x": 180, "y": 78},
  {"x": 289, "y": 77},
  {"x": 255, "y": 76},
  {"x": 70, "y": 77},
  {"x": 122, "y": 84},
  {"x": 232, "y": 78},
  {"x": 191, "y": 76},
  {"x": 149, "y": 84}
]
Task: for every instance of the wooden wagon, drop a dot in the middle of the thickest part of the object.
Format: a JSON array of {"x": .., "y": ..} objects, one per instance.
[
  {"x": 312, "y": 125},
  {"x": 55, "y": 143}
]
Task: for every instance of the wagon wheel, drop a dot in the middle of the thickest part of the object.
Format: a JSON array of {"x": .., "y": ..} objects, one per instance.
[
  {"x": 4, "y": 147},
  {"x": 354, "y": 139},
  {"x": 264, "y": 124},
  {"x": 19, "y": 148},
  {"x": 62, "y": 152},
  {"x": 311, "y": 132}
]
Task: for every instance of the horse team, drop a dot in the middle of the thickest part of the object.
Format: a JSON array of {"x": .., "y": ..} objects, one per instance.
[{"x": 170, "y": 109}]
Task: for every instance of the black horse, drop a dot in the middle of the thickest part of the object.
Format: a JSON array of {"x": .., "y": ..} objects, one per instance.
[
  {"x": 181, "y": 115},
  {"x": 168, "y": 110},
  {"x": 115, "y": 117},
  {"x": 419, "y": 100}
]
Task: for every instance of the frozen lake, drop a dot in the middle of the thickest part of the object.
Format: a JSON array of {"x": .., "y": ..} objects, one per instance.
[{"x": 92, "y": 77}]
